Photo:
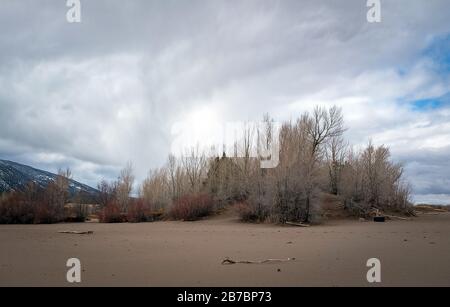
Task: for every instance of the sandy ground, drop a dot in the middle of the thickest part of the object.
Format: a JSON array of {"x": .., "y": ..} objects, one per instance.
[{"x": 412, "y": 253}]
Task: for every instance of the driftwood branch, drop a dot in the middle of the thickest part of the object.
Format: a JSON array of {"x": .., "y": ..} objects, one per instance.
[
  {"x": 397, "y": 217},
  {"x": 297, "y": 224},
  {"x": 230, "y": 261},
  {"x": 77, "y": 232}
]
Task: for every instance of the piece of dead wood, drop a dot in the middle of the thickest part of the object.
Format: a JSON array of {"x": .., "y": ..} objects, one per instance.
[
  {"x": 297, "y": 224},
  {"x": 77, "y": 232},
  {"x": 398, "y": 217},
  {"x": 228, "y": 261}
]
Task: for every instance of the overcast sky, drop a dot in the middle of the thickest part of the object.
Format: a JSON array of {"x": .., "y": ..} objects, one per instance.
[{"x": 96, "y": 94}]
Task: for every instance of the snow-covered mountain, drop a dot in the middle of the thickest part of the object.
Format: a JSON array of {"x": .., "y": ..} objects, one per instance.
[{"x": 13, "y": 176}]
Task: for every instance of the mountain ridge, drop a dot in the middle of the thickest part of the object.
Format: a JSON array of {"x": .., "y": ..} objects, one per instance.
[{"x": 14, "y": 176}]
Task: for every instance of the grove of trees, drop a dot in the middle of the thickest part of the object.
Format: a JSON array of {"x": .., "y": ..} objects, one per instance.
[{"x": 314, "y": 159}]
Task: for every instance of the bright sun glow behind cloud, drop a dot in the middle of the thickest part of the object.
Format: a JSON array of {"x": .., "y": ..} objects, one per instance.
[{"x": 202, "y": 127}]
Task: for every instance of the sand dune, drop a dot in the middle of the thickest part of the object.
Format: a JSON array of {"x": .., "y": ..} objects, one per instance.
[{"x": 412, "y": 253}]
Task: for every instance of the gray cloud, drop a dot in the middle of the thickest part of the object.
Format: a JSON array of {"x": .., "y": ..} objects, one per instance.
[{"x": 97, "y": 94}]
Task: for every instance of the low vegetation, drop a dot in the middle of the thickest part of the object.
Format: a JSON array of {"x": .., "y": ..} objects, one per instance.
[
  {"x": 34, "y": 204},
  {"x": 191, "y": 207}
]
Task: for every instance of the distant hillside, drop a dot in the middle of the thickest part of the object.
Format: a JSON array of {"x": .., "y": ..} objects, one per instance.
[{"x": 13, "y": 177}]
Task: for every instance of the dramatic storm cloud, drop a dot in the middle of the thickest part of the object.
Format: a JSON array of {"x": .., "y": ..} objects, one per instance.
[{"x": 96, "y": 94}]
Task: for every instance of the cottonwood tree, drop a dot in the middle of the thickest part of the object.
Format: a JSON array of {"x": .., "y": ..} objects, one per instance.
[
  {"x": 372, "y": 180},
  {"x": 125, "y": 187},
  {"x": 177, "y": 177},
  {"x": 289, "y": 177},
  {"x": 172, "y": 173},
  {"x": 336, "y": 152},
  {"x": 155, "y": 189},
  {"x": 246, "y": 146},
  {"x": 194, "y": 166},
  {"x": 58, "y": 193},
  {"x": 324, "y": 124},
  {"x": 263, "y": 178},
  {"x": 220, "y": 177},
  {"x": 107, "y": 193},
  {"x": 321, "y": 126},
  {"x": 245, "y": 164},
  {"x": 302, "y": 150}
]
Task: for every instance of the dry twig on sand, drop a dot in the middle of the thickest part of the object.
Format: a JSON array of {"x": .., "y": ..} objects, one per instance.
[
  {"x": 397, "y": 217},
  {"x": 297, "y": 224},
  {"x": 230, "y": 261},
  {"x": 77, "y": 232}
]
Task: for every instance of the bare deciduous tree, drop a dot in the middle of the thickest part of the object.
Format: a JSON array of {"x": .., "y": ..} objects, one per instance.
[
  {"x": 194, "y": 165},
  {"x": 372, "y": 180},
  {"x": 125, "y": 186},
  {"x": 155, "y": 189},
  {"x": 107, "y": 192},
  {"x": 322, "y": 126},
  {"x": 335, "y": 155}
]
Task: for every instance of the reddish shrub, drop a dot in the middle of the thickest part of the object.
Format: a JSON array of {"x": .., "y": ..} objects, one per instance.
[
  {"x": 111, "y": 214},
  {"x": 43, "y": 214},
  {"x": 139, "y": 211},
  {"x": 31, "y": 205},
  {"x": 191, "y": 207},
  {"x": 14, "y": 210}
]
